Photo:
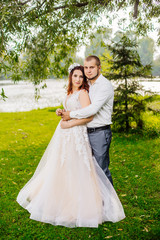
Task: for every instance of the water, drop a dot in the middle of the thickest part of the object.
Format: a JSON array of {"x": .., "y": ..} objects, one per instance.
[
  {"x": 153, "y": 86},
  {"x": 21, "y": 95}
]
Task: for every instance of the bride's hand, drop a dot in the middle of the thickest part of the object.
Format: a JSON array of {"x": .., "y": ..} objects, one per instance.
[
  {"x": 65, "y": 124},
  {"x": 60, "y": 111}
]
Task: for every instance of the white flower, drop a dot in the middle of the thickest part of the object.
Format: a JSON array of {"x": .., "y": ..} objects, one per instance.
[{"x": 73, "y": 66}]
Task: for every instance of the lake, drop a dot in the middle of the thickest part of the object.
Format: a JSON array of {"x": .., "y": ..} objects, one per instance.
[{"x": 21, "y": 95}]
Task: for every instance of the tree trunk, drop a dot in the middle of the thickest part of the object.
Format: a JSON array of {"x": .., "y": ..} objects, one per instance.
[
  {"x": 136, "y": 4},
  {"x": 126, "y": 106}
]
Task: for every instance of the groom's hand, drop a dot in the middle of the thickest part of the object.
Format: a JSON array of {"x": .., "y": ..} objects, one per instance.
[{"x": 66, "y": 116}]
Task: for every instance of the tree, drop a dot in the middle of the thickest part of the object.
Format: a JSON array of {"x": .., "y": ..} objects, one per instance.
[
  {"x": 146, "y": 50},
  {"x": 156, "y": 67},
  {"x": 125, "y": 67},
  {"x": 106, "y": 65},
  {"x": 57, "y": 27},
  {"x": 44, "y": 28},
  {"x": 98, "y": 40}
]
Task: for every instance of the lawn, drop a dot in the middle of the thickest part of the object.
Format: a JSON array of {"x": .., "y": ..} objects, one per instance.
[{"x": 135, "y": 165}]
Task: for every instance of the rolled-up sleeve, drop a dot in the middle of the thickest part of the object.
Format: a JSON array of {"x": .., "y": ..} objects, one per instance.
[{"x": 102, "y": 96}]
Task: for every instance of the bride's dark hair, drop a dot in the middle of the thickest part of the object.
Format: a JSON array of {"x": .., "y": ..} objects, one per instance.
[{"x": 84, "y": 84}]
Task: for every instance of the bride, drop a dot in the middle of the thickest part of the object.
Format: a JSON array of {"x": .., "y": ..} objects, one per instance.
[{"x": 68, "y": 187}]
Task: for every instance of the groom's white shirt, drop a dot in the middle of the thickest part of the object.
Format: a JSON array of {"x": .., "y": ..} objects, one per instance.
[{"x": 101, "y": 94}]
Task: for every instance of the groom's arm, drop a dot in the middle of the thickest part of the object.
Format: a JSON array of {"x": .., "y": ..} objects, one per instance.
[
  {"x": 84, "y": 101},
  {"x": 102, "y": 96}
]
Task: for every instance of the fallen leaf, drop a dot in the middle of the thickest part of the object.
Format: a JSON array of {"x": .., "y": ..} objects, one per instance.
[
  {"x": 137, "y": 218},
  {"x": 109, "y": 237},
  {"x": 14, "y": 183},
  {"x": 145, "y": 229},
  {"x": 120, "y": 229}
]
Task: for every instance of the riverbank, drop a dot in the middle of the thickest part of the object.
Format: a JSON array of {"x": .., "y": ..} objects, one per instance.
[{"x": 135, "y": 164}]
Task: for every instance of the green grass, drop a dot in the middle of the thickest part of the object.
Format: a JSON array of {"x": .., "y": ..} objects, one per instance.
[{"x": 135, "y": 165}]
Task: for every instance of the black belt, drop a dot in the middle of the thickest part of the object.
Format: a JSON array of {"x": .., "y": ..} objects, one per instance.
[{"x": 90, "y": 130}]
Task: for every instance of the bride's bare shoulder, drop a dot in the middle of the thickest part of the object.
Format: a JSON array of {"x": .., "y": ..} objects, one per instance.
[
  {"x": 84, "y": 97},
  {"x": 84, "y": 93}
]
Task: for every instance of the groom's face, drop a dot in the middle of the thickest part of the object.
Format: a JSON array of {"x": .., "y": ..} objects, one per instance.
[{"x": 91, "y": 70}]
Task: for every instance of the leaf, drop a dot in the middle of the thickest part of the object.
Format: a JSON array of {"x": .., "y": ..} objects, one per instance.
[
  {"x": 14, "y": 183},
  {"x": 2, "y": 94},
  {"x": 137, "y": 218},
  {"x": 145, "y": 229}
]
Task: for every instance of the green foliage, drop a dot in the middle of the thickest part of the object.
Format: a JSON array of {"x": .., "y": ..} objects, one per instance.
[
  {"x": 151, "y": 124},
  {"x": 156, "y": 67},
  {"x": 125, "y": 67},
  {"x": 97, "y": 41},
  {"x": 46, "y": 28},
  {"x": 134, "y": 166},
  {"x": 146, "y": 50},
  {"x": 48, "y": 32},
  {"x": 106, "y": 65},
  {"x": 43, "y": 29},
  {"x": 3, "y": 96}
]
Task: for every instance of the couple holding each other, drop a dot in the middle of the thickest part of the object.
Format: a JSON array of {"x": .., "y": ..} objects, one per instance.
[{"x": 69, "y": 187}]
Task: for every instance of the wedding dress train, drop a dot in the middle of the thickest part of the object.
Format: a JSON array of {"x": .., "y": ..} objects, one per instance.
[{"x": 68, "y": 187}]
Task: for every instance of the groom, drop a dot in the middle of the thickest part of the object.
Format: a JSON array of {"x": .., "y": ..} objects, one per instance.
[{"x": 101, "y": 94}]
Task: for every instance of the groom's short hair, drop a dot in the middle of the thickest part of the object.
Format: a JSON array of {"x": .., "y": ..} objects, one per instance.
[{"x": 98, "y": 62}]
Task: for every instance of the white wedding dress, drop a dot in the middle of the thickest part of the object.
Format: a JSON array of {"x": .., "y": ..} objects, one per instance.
[{"x": 68, "y": 187}]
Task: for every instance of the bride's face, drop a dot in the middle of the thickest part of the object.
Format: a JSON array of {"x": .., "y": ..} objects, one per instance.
[{"x": 77, "y": 79}]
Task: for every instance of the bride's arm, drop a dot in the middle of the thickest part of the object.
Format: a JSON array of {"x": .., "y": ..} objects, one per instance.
[{"x": 84, "y": 101}]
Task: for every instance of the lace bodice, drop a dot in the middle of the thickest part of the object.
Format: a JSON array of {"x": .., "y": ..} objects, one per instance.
[
  {"x": 72, "y": 102},
  {"x": 81, "y": 140}
]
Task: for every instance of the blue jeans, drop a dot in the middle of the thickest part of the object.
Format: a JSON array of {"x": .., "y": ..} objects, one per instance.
[{"x": 100, "y": 142}]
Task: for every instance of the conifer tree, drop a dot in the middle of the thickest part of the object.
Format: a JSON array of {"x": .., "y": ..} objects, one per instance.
[{"x": 125, "y": 68}]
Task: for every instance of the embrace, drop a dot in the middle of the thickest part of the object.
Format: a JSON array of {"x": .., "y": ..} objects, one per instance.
[{"x": 72, "y": 185}]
